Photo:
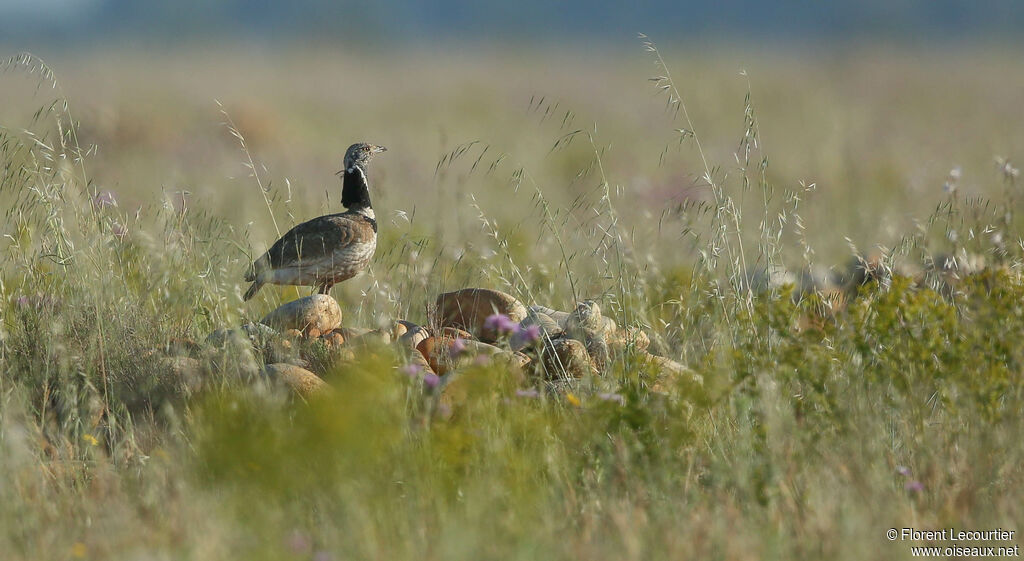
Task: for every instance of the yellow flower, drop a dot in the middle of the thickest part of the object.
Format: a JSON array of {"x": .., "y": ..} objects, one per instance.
[
  {"x": 78, "y": 550},
  {"x": 572, "y": 399},
  {"x": 90, "y": 439}
]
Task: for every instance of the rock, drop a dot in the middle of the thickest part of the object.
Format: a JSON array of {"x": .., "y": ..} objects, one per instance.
[
  {"x": 561, "y": 318},
  {"x": 671, "y": 373},
  {"x": 456, "y": 333},
  {"x": 441, "y": 352},
  {"x": 259, "y": 334},
  {"x": 220, "y": 337},
  {"x": 374, "y": 337},
  {"x": 600, "y": 355},
  {"x": 300, "y": 380},
  {"x": 333, "y": 339},
  {"x": 249, "y": 339},
  {"x": 587, "y": 325},
  {"x": 185, "y": 371},
  {"x": 517, "y": 359},
  {"x": 565, "y": 358},
  {"x": 416, "y": 358},
  {"x": 414, "y": 335},
  {"x": 473, "y": 376},
  {"x": 447, "y": 353},
  {"x": 319, "y": 311},
  {"x": 586, "y": 322},
  {"x": 351, "y": 333},
  {"x": 292, "y": 333},
  {"x": 469, "y": 308},
  {"x": 549, "y": 328},
  {"x": 537, "y": 308},
  {"x": 313, "y": 333},
  {"x": 296, "y": 361},
  {"x": 183, "y": 347},
  {"x": 625, "y": 337},
  {"x": 587, "y": 315},
  {"x": 398, "y": 329},
  {"x": 234, "y": 351}
]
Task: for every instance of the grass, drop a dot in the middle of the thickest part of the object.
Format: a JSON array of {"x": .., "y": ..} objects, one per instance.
[{"x": 817, "y": 427}]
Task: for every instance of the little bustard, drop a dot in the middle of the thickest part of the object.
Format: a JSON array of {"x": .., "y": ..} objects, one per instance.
[{"x": 329, "y": 249}]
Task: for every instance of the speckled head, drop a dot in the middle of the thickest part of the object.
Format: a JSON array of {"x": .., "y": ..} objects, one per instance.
[{"x": 360, "y": 154}]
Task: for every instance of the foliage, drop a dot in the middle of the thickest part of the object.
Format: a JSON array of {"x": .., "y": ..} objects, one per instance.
[{"x": 823, "y": 418}]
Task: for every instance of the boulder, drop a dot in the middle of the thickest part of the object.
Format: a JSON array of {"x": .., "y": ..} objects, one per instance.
[
  {"x": 625, "y": 337},
  {"x": 447, "y": 353},
  {"x": 565, "y": 358},
  {"x": 516, "y": 360},
  {"x": 469, "y": 308},
  {"x": 180, "y": 346},
  {"x": 234, "y": 351},
  {"x": 185, "y": 371},
  {"x": 559, "y": 317},
  {"x": 319, "y": 312},
  {"x": 671, "y": 373},
  {"x": 413, "y": 336},
  {"x": 374, "y": 337},
  {"x": 549, "y": 328},
  {"x": 222, "y": 337},
  {"x": 441, "y": 352},
  {"x": 456, "y": 333},
  {"x": 600, "y": 355},
  {"x": 333, "y": 339},
  {"x": 351, "y": 333},
  {"x": 587, "y": 322},
  {"x": 416, "y": 358},
  {"x": 397, "y": 329},
  {"x": 300, "y": 380}
]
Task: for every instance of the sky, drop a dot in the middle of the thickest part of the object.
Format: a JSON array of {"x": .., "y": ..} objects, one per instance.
[{"x": 70, "y": 21}]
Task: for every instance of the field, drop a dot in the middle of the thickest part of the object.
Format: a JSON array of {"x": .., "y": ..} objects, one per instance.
[{"x": 720, "y": 199}]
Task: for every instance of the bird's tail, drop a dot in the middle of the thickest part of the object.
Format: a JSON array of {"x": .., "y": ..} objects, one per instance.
[{"x": 253, "y": 289}]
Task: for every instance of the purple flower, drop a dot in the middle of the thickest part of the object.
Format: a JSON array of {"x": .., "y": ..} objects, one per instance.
[
  {"x": 500, "y": 323},
  {"x": 104, "y": 199},
  {"x": 431, "y": 380},
  {"x": 457, "y": 347},
  {"x": 412, "y": 370},
  {"x": 22, "y": 301},
  {"x": 617, "y": 398},
  {"x": 299, "y": 543},
  {"x": 914, "y": 486},
  {"x": 530, "y": 393},
  {"x": 524, "y": 336},
  {"x": 903, "y": 470}
]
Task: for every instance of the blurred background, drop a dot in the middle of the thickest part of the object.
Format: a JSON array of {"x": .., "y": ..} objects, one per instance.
[
  {"x": 418, "y": 22},
  {"x": 886, "y": 108}
]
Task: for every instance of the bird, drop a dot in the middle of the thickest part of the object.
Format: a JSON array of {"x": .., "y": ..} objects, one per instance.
[{"x": 328, "y": 249}]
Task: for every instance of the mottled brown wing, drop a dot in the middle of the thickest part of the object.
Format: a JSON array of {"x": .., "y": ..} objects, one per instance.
[{"x": 314, "y": 240}]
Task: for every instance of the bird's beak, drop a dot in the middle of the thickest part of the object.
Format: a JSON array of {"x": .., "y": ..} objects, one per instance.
[{"x": 378, "y": 149}]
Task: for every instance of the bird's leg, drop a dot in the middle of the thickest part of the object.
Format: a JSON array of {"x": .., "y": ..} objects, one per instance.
[{"x": 325, "y": 288}]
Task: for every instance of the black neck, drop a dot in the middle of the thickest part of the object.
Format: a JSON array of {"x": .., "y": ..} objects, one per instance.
[{"x": 355, "y": 193}]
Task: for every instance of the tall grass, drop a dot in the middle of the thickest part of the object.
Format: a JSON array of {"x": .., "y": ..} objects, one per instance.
[{"x": 819, "y": 424}]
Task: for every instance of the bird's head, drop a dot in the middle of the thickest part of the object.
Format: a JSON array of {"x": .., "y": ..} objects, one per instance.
[{"x": 360, "y": 154}]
